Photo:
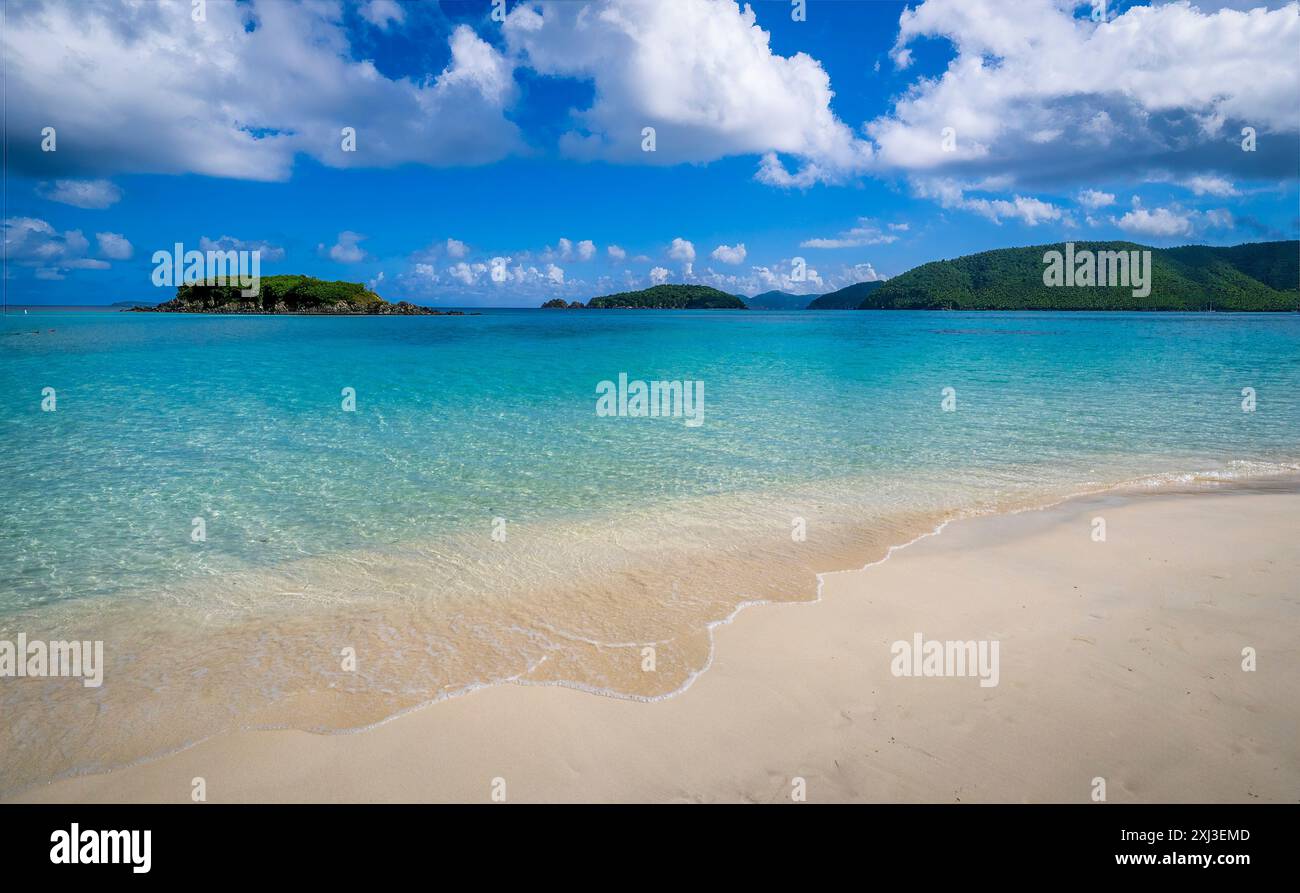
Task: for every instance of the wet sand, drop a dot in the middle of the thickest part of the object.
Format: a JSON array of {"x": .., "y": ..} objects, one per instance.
[{"x": 1118, "y": 660}]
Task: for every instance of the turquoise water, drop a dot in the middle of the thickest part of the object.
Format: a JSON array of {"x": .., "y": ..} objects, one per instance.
[
  {"x": 621, "y": 529},
  {"x": 161, "y": 419}
]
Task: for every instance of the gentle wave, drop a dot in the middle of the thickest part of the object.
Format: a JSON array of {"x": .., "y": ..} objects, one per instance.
[{"x": 212, "y": 657}]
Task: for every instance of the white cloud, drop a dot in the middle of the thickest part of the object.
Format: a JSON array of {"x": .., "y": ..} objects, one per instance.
[
  {"x": 866, "y": 232},
  {"x": 953, "y": 194},
  {"x": 787, "y": 276},
  {"x": 658, "y": 276},
  {"x": 586, "y": 249},
  {"x": 118, "y": 76},
  {"x": 457, "y": 248},
  {"x": 1033, "y": 90},
  {"x": 729, "y": 254},
  {"x": 268, "y": 251},
  {"x": 1155, "y": 81},
  {"x": 563, "y": 250},
  {"x": 32, "y": 242},
  {"x": 555, "y": 274},
  {"x": 347, "y": 249},
  {"x": 1211, "y": 185},
  {"x": 615, "y": 253},
  {"x": 1093, "y": 199},
  {"x": 382, "y": 13},
  {"x": 81, "y": 193},
  {"x": 466, "y": 273},
  {"x": 114, "y": 245},
  {"x": 681, "y": 250},
  {"x": 701, "y": 73},
  {"x": 1161, "y": 222}
]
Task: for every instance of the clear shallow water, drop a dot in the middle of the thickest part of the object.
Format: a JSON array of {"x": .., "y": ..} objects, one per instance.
[{"x": 372, "y": 529}]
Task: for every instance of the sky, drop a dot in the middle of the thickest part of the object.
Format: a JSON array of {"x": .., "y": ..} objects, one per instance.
[{"x": 499, "y": 152}]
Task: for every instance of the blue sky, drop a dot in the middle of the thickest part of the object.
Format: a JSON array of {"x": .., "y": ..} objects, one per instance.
[{"x": 518, "y": 143}]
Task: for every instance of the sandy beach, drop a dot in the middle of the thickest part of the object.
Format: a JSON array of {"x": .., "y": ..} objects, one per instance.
[{"x": 1120, "y": 660}]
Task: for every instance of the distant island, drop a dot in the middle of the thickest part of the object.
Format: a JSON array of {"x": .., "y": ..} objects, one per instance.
[
  {"x": 848, "y": 298},
  {"x": 288, "y": 294},
  {"x": 1252, "y": 277},
  {"x": 659, "y": 297},
  {"x": 778, "y": 300},
  {"x": 1256, "y": 276}
]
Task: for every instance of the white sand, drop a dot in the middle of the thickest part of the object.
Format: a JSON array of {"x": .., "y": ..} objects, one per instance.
[{"x": 1119, "y": 660}]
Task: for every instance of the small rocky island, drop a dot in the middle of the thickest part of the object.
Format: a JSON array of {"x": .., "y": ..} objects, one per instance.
[
  {"x": 289, "y": 294},
  {"x": 660, "y": 297}
]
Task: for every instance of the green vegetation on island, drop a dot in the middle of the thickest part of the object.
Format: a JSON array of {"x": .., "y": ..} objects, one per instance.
[
  {"x": 667, "y": 297},
  {"x": 778, "y": 300},
  {"x": 848, "y": 298},
  {"x": 286, "y": 294},
  {"x": 1256, "y": 276}
]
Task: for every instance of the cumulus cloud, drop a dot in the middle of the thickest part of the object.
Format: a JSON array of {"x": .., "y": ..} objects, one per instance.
[
  {"x": 1174, "y": 222},
  {"x": 1161, "y": 222},
  {"x": 382, "y": 13},
  {"x": 347, "y": 250},
  {"x": 114, "y": 245},
  {"x": 502, "y": 279},
  {"x": 32, "y": 242},
  {"x": 120, "y": 75},
  {"x": 701, "y": 73},
  {"x": 1094, "y": 198},
  {"x": 81, "y": 193},
  {"x": 729, "y": 254},
  {"x": 1211, "y": 185},
  {"x": 954, "y": 194},
  {"x": 681, "y": 250},
  {"x": 456, "y": 248},
  {"x": 866, "y": 232},
  {"x": 658, "y": 276},
  {"x": 466, "y": 273},
  {"x": 791, "y": 275},
  {"x": 268, "y": 251},
  {"x": 615, "y": 253},
  {"x": 1035, "y": 90},
  {"x": 566, "y": 250}
]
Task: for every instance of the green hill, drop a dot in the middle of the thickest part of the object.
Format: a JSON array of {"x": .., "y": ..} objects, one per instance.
[
  {"x": 1258, "y": 276},
  {"x": 284, "y": 294},
  {"x": 778, "y": 300},
  {"x": 677, "y": 297},
  {"x": 848, "y": 298}
]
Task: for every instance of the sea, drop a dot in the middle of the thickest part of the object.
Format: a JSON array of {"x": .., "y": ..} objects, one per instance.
[{"x": 323, "y": 522}]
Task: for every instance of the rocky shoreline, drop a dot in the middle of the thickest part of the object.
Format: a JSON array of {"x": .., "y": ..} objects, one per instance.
[{"x": 400, "y": 308}]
